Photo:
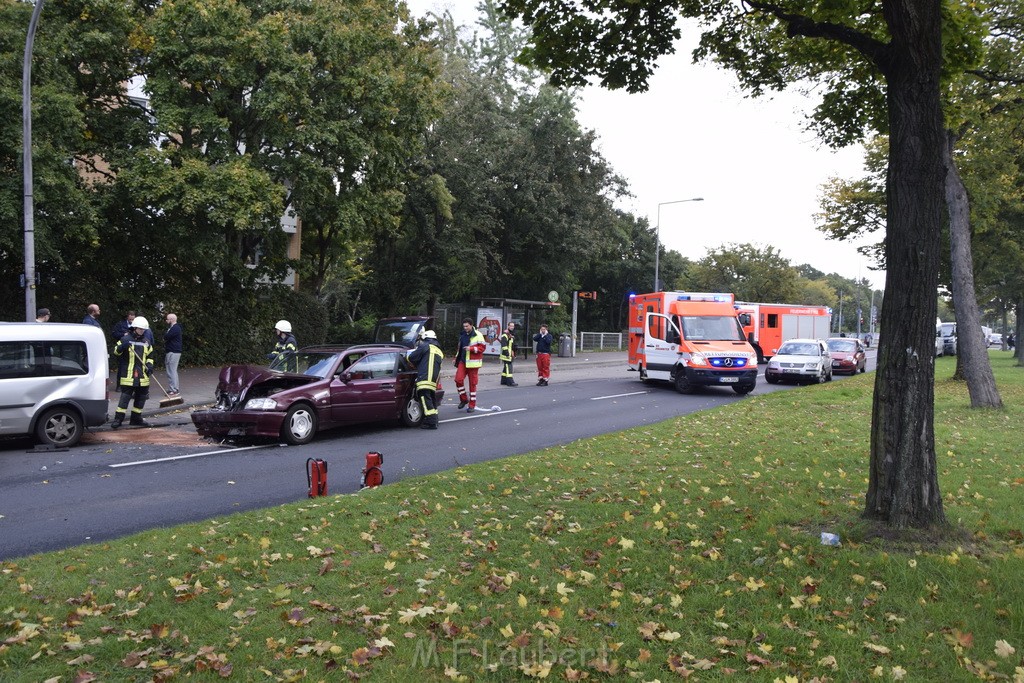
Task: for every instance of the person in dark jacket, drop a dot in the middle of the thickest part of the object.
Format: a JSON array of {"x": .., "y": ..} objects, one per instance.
[
  {"x": 123, "y": 326},
  {"x": 508, "y": 354},
  {"x": 543, "y": 339},
  {"x": 427, "y": 357},
  {"x": 285, "y": 345},
  {"x": 91, "y": 313},
  {"x": 135, "y": 367},
  {"x": 172, "y": 352}
]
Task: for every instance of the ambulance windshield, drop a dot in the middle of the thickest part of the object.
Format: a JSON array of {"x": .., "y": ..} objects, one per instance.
[{"x": 711, "y": 328}]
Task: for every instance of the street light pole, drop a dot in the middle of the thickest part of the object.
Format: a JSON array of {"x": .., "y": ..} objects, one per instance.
[
  {"x": 657, "y": 235},
  {"x": 26, "y": 148}
]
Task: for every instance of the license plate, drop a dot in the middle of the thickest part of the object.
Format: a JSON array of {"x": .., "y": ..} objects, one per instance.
[
  {"x": 728, "y": 380},
  {"x": 791, "y": 371}
]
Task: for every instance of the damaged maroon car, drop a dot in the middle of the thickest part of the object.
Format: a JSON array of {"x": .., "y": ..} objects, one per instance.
[{"x": 315, "y": 388}]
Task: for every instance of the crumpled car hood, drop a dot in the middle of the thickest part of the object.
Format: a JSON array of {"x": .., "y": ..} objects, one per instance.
[{"x": 238, "y": 383}]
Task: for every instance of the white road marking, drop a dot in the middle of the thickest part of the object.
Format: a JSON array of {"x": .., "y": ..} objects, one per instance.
[
  {"x": 193, "y": 455},
  {"x": 632, "y": 393},
  {"x": 483, "y": 414}
]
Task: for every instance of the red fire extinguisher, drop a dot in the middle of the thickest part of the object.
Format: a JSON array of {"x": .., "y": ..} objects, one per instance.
[
  {"x": 316, "y": 477},
  {"x": 372, "y": 473}
]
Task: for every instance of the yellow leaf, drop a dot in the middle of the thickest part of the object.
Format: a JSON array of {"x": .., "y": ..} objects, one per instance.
[
  {"x": 523, "y": 602},
  {"x": 507, "y": 631},
  {"x": 880, "y": 649},
  {"x": 389, "y": 565},
  {"x": 626, "y": 543},
  {"x": 264, "y": 542}
]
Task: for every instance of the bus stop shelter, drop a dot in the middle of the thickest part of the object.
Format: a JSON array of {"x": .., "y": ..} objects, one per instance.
[{"x": 523, "y": 312}]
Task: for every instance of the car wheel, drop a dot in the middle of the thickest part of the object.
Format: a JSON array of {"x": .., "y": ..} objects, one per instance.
[
  {"x": 59, "y": 427},
  {"x": 683, "y": 385},
  {"x": 299, "y": 424},
  {"x": 829, "y": 377},
  {"x": 771, "y": 379},
  {"x": 412, "y": 413},
  {"x": 821, "y": 376}
]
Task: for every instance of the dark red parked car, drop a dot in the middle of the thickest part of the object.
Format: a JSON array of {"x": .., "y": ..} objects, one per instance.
[
  {"x": 315, "y": 388},
  {"x": 848, "y": 355}
]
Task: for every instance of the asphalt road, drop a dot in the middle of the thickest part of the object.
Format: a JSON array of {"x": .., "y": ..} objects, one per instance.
[{"x": 119, "y": 483}]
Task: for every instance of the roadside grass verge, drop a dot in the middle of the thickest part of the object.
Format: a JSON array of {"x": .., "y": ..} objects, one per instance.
[{"x": 689, "y": 548}]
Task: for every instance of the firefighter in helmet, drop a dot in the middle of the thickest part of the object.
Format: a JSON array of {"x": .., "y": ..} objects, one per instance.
[
  {"x": 285, "y": 345},
  {"x": 135, "y": 366},
  {"x": 427, "y": 357}
]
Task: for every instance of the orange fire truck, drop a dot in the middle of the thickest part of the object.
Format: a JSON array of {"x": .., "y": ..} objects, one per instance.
[
  {"x": 691, "y": 339},
  {"x": 767, "y": 326}
]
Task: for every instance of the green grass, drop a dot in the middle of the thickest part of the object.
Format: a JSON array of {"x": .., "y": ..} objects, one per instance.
[{"x": 687, "y": 548}]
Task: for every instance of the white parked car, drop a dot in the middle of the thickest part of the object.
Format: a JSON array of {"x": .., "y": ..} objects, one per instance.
[
  {"x": 53, "y": 380},
  {"x": 800, "y": 360}
]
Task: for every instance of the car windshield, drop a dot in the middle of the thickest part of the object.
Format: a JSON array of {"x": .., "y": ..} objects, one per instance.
[
  {"x": 313, "y": 363},
  {"x": 399, "y": 331},
  {"x": 842, "y": 345},
  {"x": 711, "y": 328},
  {"x": 799, "y": 350}
]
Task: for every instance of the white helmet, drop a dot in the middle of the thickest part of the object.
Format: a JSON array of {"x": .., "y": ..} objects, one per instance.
[
  {"x": 283, "y": 326},
  {"x": 140, "y": 323},
  {"x": 428, "y": 334}
]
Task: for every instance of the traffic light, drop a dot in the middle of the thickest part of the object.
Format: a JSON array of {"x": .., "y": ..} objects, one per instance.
[{"x": 587, "y": 295}]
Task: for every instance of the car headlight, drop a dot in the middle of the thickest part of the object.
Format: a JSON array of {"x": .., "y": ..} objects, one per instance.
[
  {"x": 773, "y": 364},
  {"x": 260, "y": 404},
  {"x": 694, "y": 359},
  {"x": 811, "y": 366}
]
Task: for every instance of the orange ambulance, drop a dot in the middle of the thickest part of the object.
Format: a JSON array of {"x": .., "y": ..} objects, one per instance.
[{"x": 691, "y": 339}]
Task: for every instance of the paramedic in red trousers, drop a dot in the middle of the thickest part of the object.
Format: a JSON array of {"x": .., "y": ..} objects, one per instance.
[
  {"x": 468, "y": 360},
  {"x": 427, "y": 357},
  {"x": 135, "y": 366},
  {"x": 543, "y": 339}
]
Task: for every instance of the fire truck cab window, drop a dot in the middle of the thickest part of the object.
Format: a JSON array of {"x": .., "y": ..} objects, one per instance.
[{"x": 773, "y": 320}]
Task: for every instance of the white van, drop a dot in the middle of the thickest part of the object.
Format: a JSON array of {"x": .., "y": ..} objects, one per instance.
[{"x": 53, "y": 380}]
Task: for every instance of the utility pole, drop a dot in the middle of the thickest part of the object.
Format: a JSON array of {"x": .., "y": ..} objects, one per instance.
[{"x": 26, "y": 151}]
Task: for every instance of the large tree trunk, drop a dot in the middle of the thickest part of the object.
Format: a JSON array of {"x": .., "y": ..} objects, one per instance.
[
  {"x": 972, "y": 347},
  {"x": 903, "y": 487}
]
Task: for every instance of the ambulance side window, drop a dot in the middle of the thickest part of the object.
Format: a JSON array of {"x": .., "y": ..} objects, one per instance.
[
  {"x": 672, "y": 334},
  {"x": 773, "y": 320}
]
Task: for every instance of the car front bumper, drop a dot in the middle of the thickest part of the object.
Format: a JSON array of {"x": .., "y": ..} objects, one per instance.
[
  {"x": 795, "y": 374},
  {"x": 849, "y": 366},
  {"x": 221, "y": 423},
  {"x": 716, "y": 378}
]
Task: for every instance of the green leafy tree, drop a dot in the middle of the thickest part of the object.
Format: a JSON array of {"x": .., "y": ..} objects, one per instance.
[
  {"x": 750, "y": 272},
  {"x": 879, "y": 67}
]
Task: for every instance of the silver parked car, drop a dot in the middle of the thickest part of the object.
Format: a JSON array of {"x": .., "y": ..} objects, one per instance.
[
  {"x": 800, "y": 360},
  {"x": 53, "y": 380}
]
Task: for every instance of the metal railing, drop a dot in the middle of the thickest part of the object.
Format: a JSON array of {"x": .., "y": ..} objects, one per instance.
[{"x": 600, "y": 341}]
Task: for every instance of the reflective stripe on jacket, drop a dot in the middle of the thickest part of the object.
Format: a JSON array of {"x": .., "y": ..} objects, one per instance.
[
  {"x": 507, "y": 341},
  {"x": 135, "y": 361},
  {"x": 475, "y": 349},
  {"x": 427, "y": 357}
]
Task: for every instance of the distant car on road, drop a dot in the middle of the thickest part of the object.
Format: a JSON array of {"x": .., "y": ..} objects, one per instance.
[
  {"x": 314, "y": 389},
  {"x": 800, "y": 360},
  {"x": 848, "y": 355}
]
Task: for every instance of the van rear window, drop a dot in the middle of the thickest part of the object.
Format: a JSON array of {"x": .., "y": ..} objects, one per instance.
[{"x": 43, "y": 359}]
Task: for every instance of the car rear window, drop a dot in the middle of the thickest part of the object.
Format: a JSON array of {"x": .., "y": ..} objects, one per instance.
[{"x": 43, "y": 359}]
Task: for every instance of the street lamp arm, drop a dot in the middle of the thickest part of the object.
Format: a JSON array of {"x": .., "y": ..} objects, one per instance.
[{"x": 657, "y": 234}]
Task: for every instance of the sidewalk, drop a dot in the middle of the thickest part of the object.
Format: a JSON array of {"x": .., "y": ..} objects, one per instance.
[{"x": 199, "y": 385}]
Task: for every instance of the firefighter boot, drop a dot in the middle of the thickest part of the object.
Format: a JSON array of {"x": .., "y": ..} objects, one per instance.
[
  {"x": 116, "y": 422},
  {"x": 137, "y": 421}
]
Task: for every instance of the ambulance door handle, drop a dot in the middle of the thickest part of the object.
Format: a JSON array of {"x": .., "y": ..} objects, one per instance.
[{"x": 389, "y": 385}]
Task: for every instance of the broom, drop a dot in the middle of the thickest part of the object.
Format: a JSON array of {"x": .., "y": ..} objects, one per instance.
[{"x": 164, "y": 402}]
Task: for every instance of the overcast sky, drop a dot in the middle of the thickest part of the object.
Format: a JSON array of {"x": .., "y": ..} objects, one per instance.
[{"x": 694, "y": 134}]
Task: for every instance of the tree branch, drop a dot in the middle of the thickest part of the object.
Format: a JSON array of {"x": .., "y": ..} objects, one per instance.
[{"x": 800, "y": 25}]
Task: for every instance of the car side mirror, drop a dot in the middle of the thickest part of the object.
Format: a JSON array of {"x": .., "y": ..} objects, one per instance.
[{"x": 345, "y": 376}]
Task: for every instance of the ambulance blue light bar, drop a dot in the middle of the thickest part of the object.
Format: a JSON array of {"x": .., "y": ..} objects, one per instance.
[{"x": 705, "y": 296}]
